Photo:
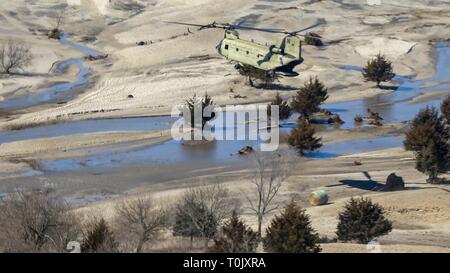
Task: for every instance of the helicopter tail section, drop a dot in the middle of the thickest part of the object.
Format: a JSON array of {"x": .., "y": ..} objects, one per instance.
[{"x": 292, "y": 45}]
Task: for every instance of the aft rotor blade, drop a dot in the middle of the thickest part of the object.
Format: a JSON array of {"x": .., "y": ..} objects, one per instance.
[
  {"x": 310, "y": 27},
  {"x": 240, "y": 23},
  {"x": 185, "y": 24}
]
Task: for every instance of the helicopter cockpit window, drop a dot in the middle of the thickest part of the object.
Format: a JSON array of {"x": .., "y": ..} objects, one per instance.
[
  {"x": 237, "y": 49},
  {"x": 248, "y": 52},
  {"x": 226, "y": 47}
]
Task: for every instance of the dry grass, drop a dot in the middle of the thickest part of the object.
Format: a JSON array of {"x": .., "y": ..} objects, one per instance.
[
  {"x": 171, "y": 244},
  {"x": 22, "y": 126},
  {"x": 32, "y": 163}
]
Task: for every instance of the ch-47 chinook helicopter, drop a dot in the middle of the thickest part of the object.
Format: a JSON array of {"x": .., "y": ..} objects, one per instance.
[{"x": 281, "y": 57}]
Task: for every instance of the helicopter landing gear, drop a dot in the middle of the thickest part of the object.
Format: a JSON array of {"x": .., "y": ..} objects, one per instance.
[{"x": 237, "y": 66}]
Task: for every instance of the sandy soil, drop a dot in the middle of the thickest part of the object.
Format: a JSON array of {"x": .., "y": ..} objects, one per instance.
[
  {"x": 48, "y": 147},
  {"x": 355, "y": 248}
]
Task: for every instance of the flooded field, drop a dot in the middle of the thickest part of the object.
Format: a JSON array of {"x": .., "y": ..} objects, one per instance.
[{"x": 397, "y": 106}]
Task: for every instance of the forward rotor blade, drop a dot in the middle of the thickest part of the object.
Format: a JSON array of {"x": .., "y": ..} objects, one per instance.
[
  {"x": 240, "y": 26},
  {"x": 270, "y": 30}
]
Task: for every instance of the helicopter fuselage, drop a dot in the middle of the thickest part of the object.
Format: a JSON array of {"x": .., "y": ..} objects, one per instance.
[{"x": 281, "y": 57}]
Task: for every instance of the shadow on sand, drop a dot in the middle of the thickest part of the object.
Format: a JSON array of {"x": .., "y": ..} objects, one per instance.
[
  {"x": 368, "y": 185},
  {"x": 276, "y": 87}
]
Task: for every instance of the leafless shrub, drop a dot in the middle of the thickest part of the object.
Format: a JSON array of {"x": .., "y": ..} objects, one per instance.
[
  {"x": 36, "y": 222},
  {"x": 56, "y": 32},
  {"x": 201, "y": 211},
  {"x": 127, "y": 5},
  {"x": 14, "y": 56},
  {"x": 266, "y": 77},
  {"x": 59, "y": 19},
  {"x": 335, "y": 120},
  {"x": 358, "y": 119},
  {"x": 269, "y": 174},
  {"x": 141, "y": 220},
  {"x": 32, "y": 163}
]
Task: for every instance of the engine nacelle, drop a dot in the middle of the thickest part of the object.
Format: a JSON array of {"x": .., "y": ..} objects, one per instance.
[{"x": 276, "y": 50}]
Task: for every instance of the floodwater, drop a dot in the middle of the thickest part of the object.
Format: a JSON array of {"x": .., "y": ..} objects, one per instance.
[
  {"x": 207, "y": 156},
  {"x": 60, "y": 91},
  {"x": 357, "y": 146},
  {"x": 89, "y": 126},
  {"x": 398, "y": 106},
  {"x": 168, "y": 153}
]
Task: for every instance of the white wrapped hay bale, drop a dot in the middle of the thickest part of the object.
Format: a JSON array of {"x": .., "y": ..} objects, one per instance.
[{"x": 318, "y": 198}]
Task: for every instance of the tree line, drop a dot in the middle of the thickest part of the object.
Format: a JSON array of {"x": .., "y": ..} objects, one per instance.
[{"x": 40, "y": 221}]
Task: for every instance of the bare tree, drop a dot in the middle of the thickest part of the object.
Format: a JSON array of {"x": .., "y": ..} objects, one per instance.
[
  {"x": 269, "y": 174},
  {"x": 56, "y": 32},
  {"x": 59, "y": 19},
  {"x": 36, "y": 222},
  {"x": 14, "y": 56},
  {"x": 141, "y": 219},
  {"x": 201, "y": 211}
]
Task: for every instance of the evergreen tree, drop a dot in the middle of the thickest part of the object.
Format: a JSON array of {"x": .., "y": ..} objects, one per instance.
[
  {"x": 426, "y": 126},
  {"x": 285, "y": 111},
  {"x": 201, "y": 103},
  {"x": 432, "y": 160},
  {"x": 445, "y": 109},
  {"x": 314, "y": 39},
  {"x": 291, "y": 232},
  {"x": 428, "y": 139},
  {"x": 378, "y": 70},
  {"x": 308, "y": 99},
  {"x": 362, "y": 221},
  {"x": 303, "y": 137},
  {"x": 236, "y": 237},
  {"x": 99, "y": 239}
]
